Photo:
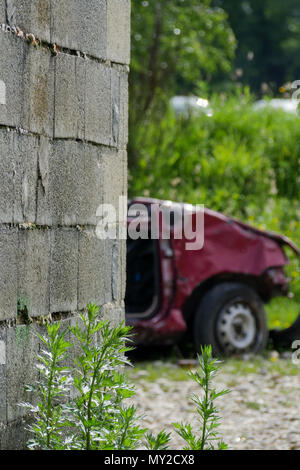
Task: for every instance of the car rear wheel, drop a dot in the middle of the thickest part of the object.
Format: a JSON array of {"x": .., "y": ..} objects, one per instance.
[{"x": 231, "y": 318}]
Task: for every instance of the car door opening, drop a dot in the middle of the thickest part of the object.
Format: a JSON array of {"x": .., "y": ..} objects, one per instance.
[{"x": 142, "y": 287}]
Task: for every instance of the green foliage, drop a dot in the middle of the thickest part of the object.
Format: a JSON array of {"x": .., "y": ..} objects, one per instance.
[
  {"x": 53, "y": 385},
  {"x": 23, "y": 310},
  {"x": 160, "y": 442},
  {"x": 174, "y": 41},
  {"x": 282, "y": 311},
  {"x": 232, "y": 161},
  {"x": 206, "y": 409},
  {"x": 177, "y": 46},
  {"x": 268, "y": 34},
  {"x": 81, "y": 405},
  {"x": 97, "y": 411}
]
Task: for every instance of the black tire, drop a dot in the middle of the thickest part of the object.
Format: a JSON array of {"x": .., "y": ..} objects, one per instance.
[{"x": 231, "y": 318}]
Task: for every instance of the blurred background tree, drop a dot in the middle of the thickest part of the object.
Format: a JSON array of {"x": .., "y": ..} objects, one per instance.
[
  {"x": 178, "y": 46},
  {"x": 268, "y": 34}
]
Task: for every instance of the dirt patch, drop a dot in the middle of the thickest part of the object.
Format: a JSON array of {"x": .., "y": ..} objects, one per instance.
[{"x": 261, "y": 412}]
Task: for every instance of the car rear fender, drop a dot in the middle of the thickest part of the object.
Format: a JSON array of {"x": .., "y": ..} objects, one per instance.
[{"x": 259, "y": 284}]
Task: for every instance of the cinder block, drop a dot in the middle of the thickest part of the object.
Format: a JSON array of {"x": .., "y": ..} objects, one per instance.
[
  {"x": 76, "y": 183},
  {"x": 70, "y": 83},
  {"x": 118, "y": 270},
  {"x": 111, "y": 217},
  {"x": 3, "y": 355},
  {"x": 115, "y": 270},
  {"x": 119, "y": 84},
  {"x": 23, "y": 347},
  {"x": 66, "y": 175},
  {"x": 25, "y": 148},
  {"x": 38, "y": 83},
  {"x": 84, "y": 103},
  {"x": 9, "y": 263},
  {"x": 98, "y": 112},
  {"x": 2, "y": 12},
  {"x": 14, "y": 436},
  {"x": 124, "y": 98},
  {"x": 12, "y": 52},
  {"x": 122, "y": 267},
  {"x": 93, "y": 183},
  {"x": 26, "y": 86},
  {"x": 113, "y": 312},
  {"x": 64, "y": 270},
  {"x": 7, "y": 170},
  {"x": 54, "y": 181},
  {"x": 80, "y": 27},
  {"x": 31, "y": 16},
  {"x": 43, "y": 215},
  {"x": 115, "y": 178},
  {"x": 33, "y": 292},
  {"x": 118, "y": 31},
  {"x": 94, "y": 269},
  {"x": 18, "y": 165},
  {"x": 116, "y": 107},
  {"x": 73, "y": 183},
  {"x": 115, "y": 195}
]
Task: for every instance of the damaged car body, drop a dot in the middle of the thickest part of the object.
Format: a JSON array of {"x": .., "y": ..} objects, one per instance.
[{"x": 216, "y": 293}]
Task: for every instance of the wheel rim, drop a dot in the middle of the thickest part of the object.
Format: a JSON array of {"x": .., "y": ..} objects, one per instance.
[{"x": 236, "y": 328}]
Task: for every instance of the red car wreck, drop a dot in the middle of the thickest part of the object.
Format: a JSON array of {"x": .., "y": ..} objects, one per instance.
[{"x": 216, "y": 292}]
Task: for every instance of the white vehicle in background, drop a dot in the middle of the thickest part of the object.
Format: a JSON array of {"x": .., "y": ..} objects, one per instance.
[
  {"x": 287, "y": 105},
  {"x": 187, "y": 105},
  {"x": 194, "y": 105}
]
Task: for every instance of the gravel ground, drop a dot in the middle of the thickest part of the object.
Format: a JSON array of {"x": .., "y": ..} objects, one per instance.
[{"x": 262, "y": 411}]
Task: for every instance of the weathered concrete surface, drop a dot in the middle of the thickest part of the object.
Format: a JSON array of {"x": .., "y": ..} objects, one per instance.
[
  {"x": 28, "y": 75},
  {"x": 70, "y": 80},
  {"x": 63, "y": 270},
  {"x": 99, "y": 29},
  {"x": 63, "y": 137},
  {"x": 73, "y": 189},
  {"x": 79, "y": 27},
  {"x": 38, "y": 86},
  {"x": 34, "y": 265},
  {"x": 22, "y": 347},
  {"x": 17, "y": 190},
  {"x": 119, "y": 85},
  {"x": 95, "y": 269},
  {"x": 2, "y": 12},
  {"x": 3, "y": 341},
  {"x": 118, "y": 23},
  {"x": 9, "y": 272},
  {"x": 98, "y": 118},
  {"x": 82, "y": 99},
  {"x": 31, "y": 16},
  {"x": 12, "y": 77}
]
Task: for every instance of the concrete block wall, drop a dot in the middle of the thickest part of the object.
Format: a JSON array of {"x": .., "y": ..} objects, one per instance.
[{"x": 63, "y": 137}]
